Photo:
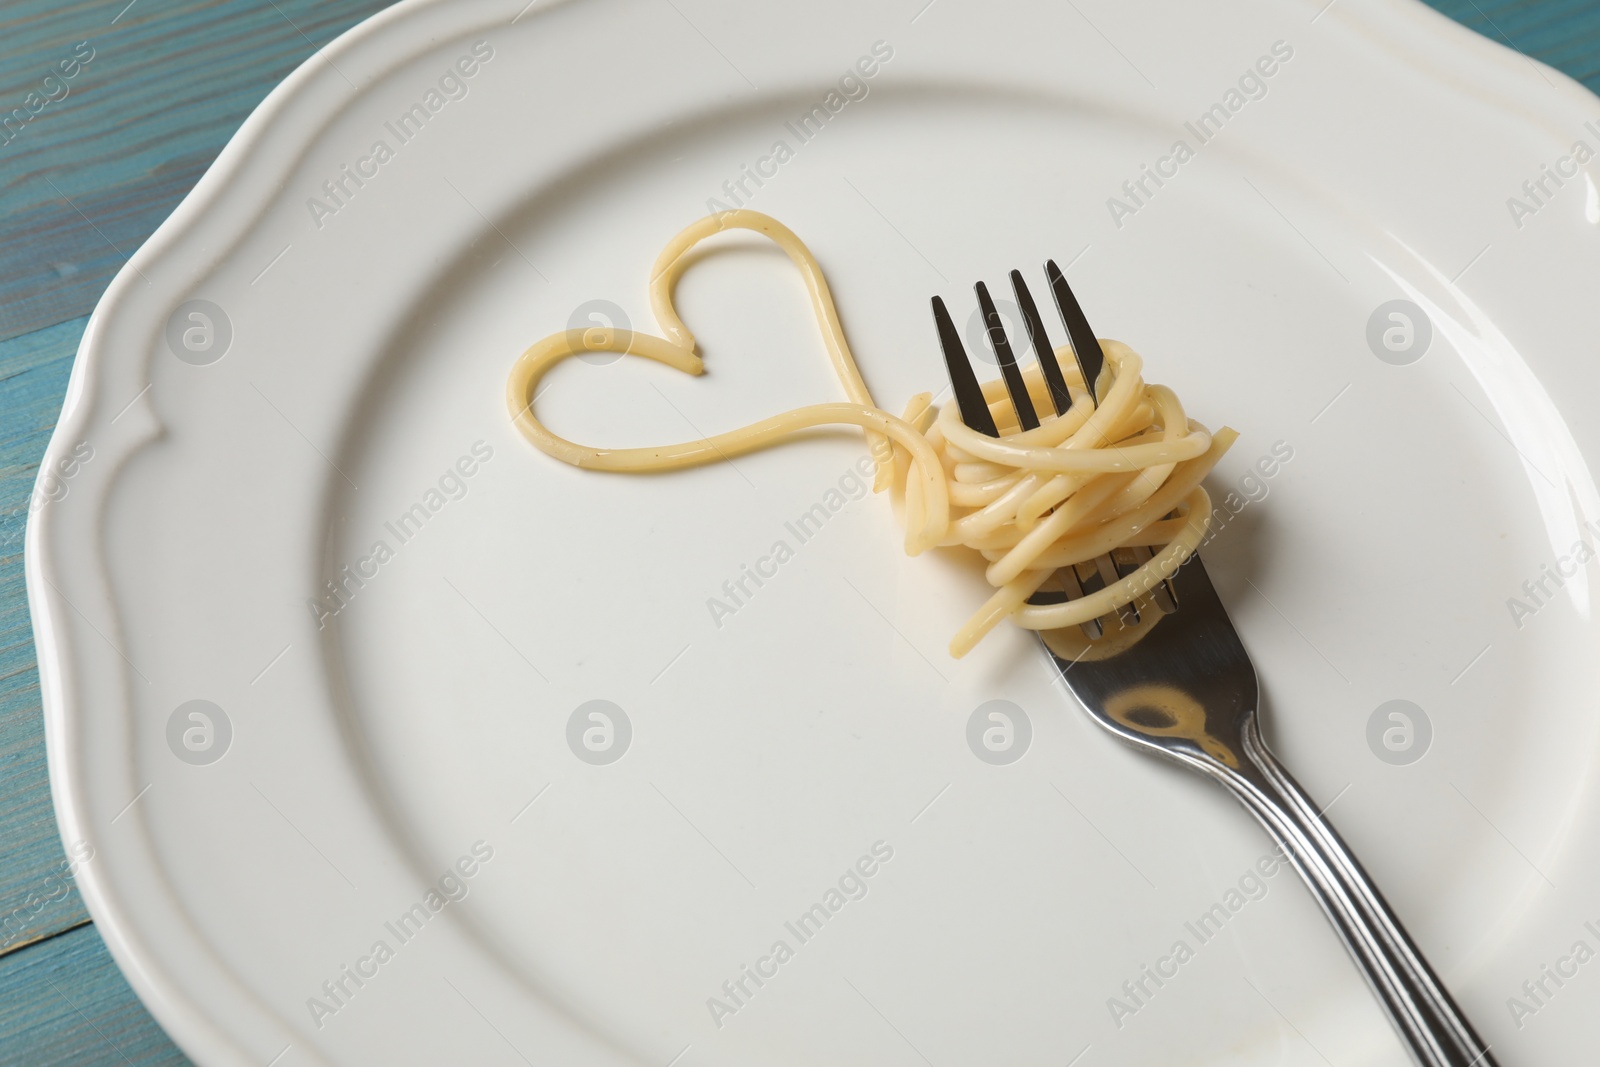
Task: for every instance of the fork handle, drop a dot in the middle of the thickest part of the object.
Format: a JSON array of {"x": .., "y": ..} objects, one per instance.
[{"x": 1428, "y": 1020}]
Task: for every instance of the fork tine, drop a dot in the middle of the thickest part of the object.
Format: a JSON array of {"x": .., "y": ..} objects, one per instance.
[
  {"x": 1163, "y": 595},
  {"x": 1084, "y": 344},
  {"x": 1091, "y": 359},
  {"x": 1124, "y": 561},
  {"x": 1003, "y": 355},
  {"x": 1068, "y": 577},
  {"x": 1042, "y": 349},
  {"x": 1086, "y": 351},
  {"x": 1106, "y": 568},
  {"x": 964, "y": 383}
]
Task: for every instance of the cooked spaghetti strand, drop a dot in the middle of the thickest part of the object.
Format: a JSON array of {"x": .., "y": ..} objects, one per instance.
[{"x": 1123, "y": 472}]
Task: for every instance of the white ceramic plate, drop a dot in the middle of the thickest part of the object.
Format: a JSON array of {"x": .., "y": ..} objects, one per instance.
[{"x": 248, "y": 862}]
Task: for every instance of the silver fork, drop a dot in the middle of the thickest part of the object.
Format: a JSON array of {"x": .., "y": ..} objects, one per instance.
[{"x": 1184, "y": 688}]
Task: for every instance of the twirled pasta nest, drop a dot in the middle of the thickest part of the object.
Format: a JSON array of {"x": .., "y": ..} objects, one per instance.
[{"x": 1121, "y": 474}]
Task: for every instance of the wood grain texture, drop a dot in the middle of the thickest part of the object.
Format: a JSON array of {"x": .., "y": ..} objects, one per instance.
[
  {"x": 63, "y": 1003},
  {"x": 89, "y": 176},
  {"x": 35, "y": 899},
  {"x": 83, "y": 182},
  {"x": 1562, "y": 33}
]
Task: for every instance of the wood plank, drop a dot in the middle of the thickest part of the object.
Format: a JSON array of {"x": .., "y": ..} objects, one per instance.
[
  {"x": 1562, "y": 33},
  {"x": 63, "y": 1003},
  {"x": 35, "y": 897},
  {"x": 86, "y": 179}
]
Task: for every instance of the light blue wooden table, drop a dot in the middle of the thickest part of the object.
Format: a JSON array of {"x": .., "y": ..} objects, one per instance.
[{"x": 83, "y": 182}]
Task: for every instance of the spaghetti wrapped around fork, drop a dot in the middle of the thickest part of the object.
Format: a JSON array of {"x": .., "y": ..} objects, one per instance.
[{"x": 1124, "y": 473}]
